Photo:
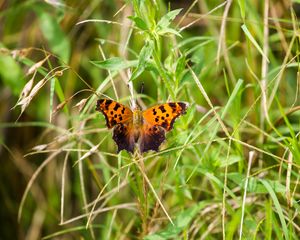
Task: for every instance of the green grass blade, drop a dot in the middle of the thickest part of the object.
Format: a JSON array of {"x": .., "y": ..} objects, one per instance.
[
  {"x": 242, "y": 8},
  {"x": 277, "y": 207},
  {"x": 254, "y": 42}
]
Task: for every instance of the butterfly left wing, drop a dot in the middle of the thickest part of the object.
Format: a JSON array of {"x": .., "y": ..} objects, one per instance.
[
  {"x": 113, "y": 112},
  {"x": 164, "y": 115},
  {"x": 123, "y": 137},
  {"x": 118, "y": 117}
]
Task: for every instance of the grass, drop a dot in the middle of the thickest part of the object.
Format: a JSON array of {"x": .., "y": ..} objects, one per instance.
[{"x": 228, "y": 170}]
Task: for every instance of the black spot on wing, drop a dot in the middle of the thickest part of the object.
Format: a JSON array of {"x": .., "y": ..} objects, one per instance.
[
  {"x": 162, "y": 109},
  {"x": 113, "y": 122},
  {"x": 173, "y": 106},
  {"x": 165, "y": 124},
  {"x": 107, "y": 103},
  {"x": 117, "y": 106}
]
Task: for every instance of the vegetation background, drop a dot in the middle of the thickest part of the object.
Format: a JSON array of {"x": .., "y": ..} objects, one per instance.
[{"x": 228, "y": 170}]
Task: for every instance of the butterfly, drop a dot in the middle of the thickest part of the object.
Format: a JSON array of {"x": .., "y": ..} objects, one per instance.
[{"x": 146, "y": 129}]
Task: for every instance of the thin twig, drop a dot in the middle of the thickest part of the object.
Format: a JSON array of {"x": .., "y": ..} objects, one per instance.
[
  {"x": 288, "y": 179},
  {"x": 224, "y": 190},
  {"x": 154, "y": 192},
  {"x": 222, "y": 41},
  {"x": 62, "y": 197},
  {"x": 251, "y": 157},
  {"x": 264, "y": 70}
]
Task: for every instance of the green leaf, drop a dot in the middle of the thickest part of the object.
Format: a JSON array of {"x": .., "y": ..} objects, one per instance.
[
  {"x": 168, "y": 30},
  {"x": 56, "y": 38},
  {"x": 233, "y": 224},
  {"x": 254, "y": 184},
  {"x": 115, "y": 63},
  {"x": 145, "y": 54},
  {"x": 166, "y": 20},
  {"x": 242, "y": 8},
  {"x": 144, "y": 57},
  {"x": 269, "y": 220},
  {"x": 11, "y": 75},
  {"x": 139, "y": 23},
  {"x": 231, "y": 160}
]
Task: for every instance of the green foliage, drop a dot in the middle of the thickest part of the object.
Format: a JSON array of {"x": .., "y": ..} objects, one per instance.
[
  {"x": 10, "y": 73},
  {"x": 228, "y": 170},
  {"x": 56, "y": 38},
  {"x": 182, "y": 222}
]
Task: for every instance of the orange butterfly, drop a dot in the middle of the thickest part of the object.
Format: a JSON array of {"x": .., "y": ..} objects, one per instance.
[{"x": 146, "y": 128}]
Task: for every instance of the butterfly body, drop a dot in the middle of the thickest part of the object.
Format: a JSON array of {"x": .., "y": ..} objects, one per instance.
[
  {"x": 137, "y": 118},
  {"x": 146, "y": 129}
]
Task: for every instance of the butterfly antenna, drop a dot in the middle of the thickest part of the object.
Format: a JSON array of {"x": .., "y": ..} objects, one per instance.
[{"x": 142, "y": 88}]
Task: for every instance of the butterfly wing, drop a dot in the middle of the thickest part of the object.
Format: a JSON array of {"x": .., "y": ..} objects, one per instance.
[
  {"x": 123, "y": 136},
  {"x": 164, "y": 115},
  {"x": 119, "y": 117},
  {"x": 151, "y": 138},
  {"x": 158, "y": 120},
  {"x": 114, "y": 112}
]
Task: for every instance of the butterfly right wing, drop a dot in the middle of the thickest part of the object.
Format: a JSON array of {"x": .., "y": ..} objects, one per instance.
[
  {"x": 164, "y": 115},
  {"x": 151, "y": 138},
  {"x": 158, "y": 120}
]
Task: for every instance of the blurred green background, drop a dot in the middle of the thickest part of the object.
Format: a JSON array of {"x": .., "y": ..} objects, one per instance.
[{"x": 235, "y": 62}]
